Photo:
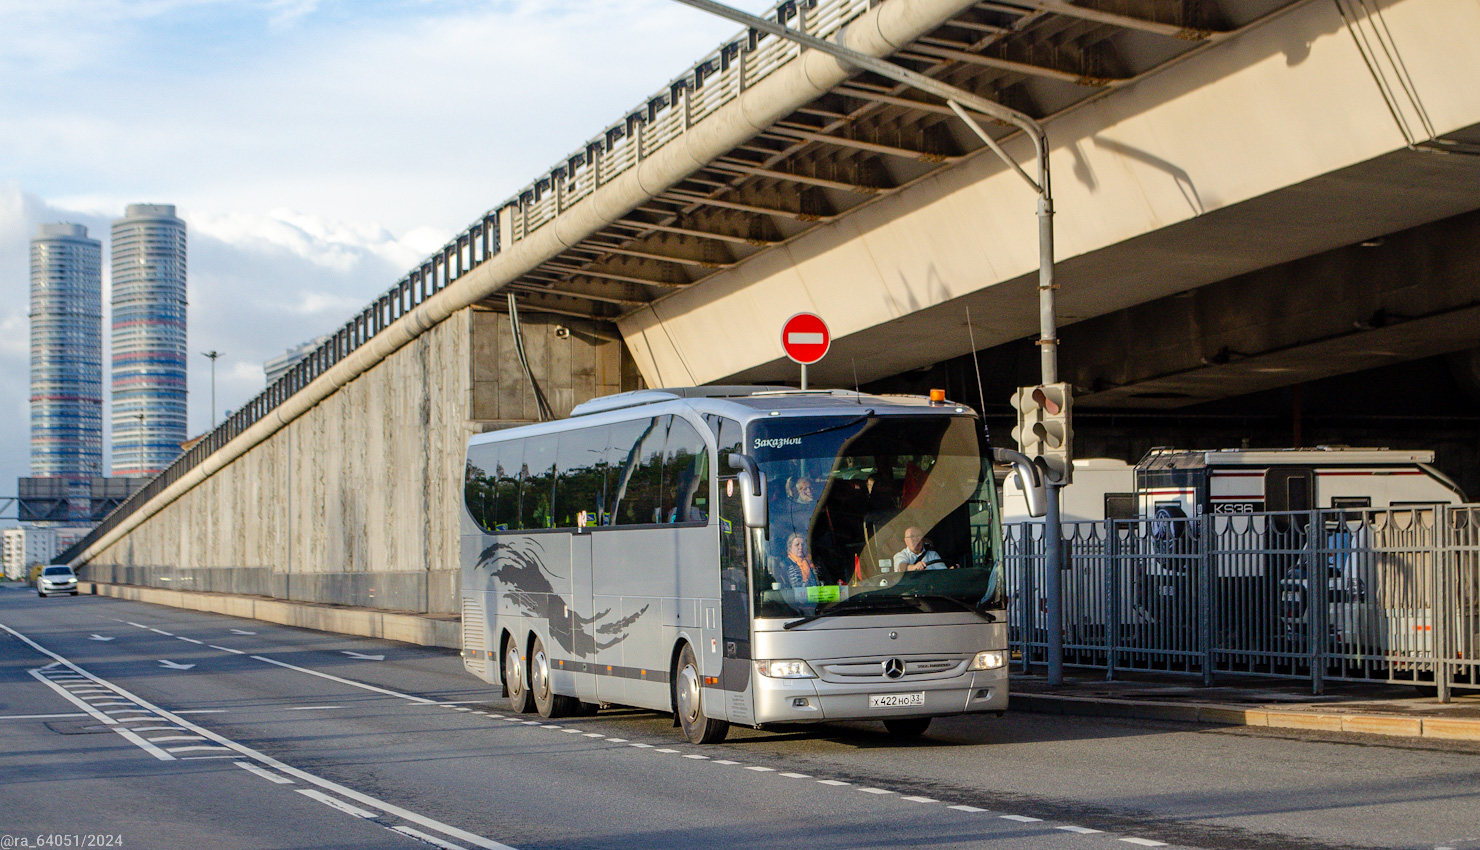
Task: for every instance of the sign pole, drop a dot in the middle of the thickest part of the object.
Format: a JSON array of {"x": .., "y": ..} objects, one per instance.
[{"x": 804, "y": 377}]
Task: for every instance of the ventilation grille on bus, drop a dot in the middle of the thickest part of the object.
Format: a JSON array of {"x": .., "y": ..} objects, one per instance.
[{"x": 475, "y": 654}]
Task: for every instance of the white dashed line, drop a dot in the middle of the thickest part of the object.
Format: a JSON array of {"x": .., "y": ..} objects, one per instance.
[
  {"x": 572, "y": 731},
  {"x": 311, "y": 707},
  {"x": 226, "y": 649},
  {"x": 616, "y": 740},
  {"x": 665, "y": 750},
  {"x": 140, "y": 625},
  {"x": 758, "y": 769},
  {"x": 1021, "y": 818},
  {"x": 162, "y": 632},
  {"x": 876, "y": 791},
  {"x": 965, "y": 808},
  {"x": 1081, "y": 830},
  {"x": 336, "y": 803},
  {"x": 832, "y": 782},
  {"x": 189, "y": 640},
  {"x": 163, "y": 738},
  {"x": 594, "y": 735},
  {"x": 920, "y": 799},
  {"x": 796, "y": 775},
  {"x": 532, "y": 723},
  {"x": 641, "y": 746},
  {"x": 432, "y": 840},
  {"x": 725, "y": 761},
  {"x": 695, "y": 756},
  {"x": 1144, "y": 842},
  {"x": 264, "y": 773},
  {"x": 550, "y": 726}
]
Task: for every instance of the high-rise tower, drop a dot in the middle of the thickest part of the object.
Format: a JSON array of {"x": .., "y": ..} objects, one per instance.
[
  {"x": 66, "y": 353},
  {"x": 148, "y": 339}
]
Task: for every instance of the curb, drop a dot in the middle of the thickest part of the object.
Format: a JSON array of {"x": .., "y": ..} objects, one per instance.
[
  {"x": 1438, "y": 728},
  {"x": 362, "y": 622}
]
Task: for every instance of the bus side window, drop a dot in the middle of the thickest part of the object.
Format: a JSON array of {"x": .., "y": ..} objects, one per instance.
[
  {"x": 539, "y": 482},
  {"x": 580, "y": 476},
  {"x": 506, "y": 508},
  {"x": 625, "y": 481},
  {"x": 685, "y": 475},
  {"x": 479, "y": 488}
]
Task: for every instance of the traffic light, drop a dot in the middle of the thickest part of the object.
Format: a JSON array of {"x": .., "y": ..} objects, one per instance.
[{"x": 1043, "y": 429}]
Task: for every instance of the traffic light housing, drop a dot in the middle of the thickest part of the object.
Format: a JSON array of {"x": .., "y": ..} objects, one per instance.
[{"x": 1043, "y": 431}]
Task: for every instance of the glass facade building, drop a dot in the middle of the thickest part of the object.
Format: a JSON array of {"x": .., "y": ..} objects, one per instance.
[
  {"x": 66, "y": 353},
  {"x": 149, "y": 389}
]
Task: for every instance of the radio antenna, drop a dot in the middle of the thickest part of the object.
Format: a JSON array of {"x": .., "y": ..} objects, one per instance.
[
  {"x": 857, "y": 394},
  {"x": 980, "y": 394}
]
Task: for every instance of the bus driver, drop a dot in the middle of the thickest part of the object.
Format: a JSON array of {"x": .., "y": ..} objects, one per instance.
[{"x": 917, "y": 553}]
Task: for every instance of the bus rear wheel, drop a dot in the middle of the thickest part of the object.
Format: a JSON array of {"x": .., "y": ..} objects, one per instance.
[
  {"x": 515, "y": 682},
  {"x": 688, "y": 697},
  {"x": 546, "y": 701},
  {"x": 907, "y": 727}
]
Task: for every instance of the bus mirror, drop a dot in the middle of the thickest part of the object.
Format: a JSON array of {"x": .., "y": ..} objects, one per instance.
[
  {"x": 1030, "y": 478},
  {"x": 752, "y": 490}
]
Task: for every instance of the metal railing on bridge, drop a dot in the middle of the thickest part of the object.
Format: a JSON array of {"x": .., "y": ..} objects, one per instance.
[
  {"x": 1389, "y": 595},
  {"x": 709, "y": 84}
]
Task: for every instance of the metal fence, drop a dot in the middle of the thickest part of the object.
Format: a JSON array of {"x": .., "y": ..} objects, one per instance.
[{"x": 1388, "y": 595}]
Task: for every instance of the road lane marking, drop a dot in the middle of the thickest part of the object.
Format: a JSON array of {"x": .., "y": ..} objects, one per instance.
[
  {"x": 164, "y": 738},
  {"x": 616, "y": 740},
  {"x": 965, "y": 808},
  {"x": 759, "y": 769},
  {"x": 695, "y": 756},
  {"x": 40, "y": 716},
  {"x": 835, "y": 782},
  {"x": 1144, "y": 842},
  {"x": 264, "y": 773},
  {"x": 336, "y": 803},
  {"x": 1080, "y": 830},
  {"x": 432, "y": 840},
  {"x": 920, "y": 799},
  {"x": 240, "y": 632},
  {"x": 641, "y": 746},
  {"x": 876, "y": 791},
  {"x": 725, "y": 761},
  {"x": 196, "y": 748},
  {"x": 161, "y": 631},
  {"x": 312, "y": 707},
  {"x": 795, "y": 775},
  {"x": 665, "y": 750},
  {"x": 198, "y": 710},
  {"x": 599, "y": 735},
  {"x": 226, "y": 649},
  {"x": 189, "y": 640},
  {"x": 98, "y": 715},
  {"x": 99, "y": 637},
  {"x": 262, "y": 758},
  {"x": 350, "y": 682},
  {"x": 140, "y": 625},
  {"x": 1021, "y": 818}
]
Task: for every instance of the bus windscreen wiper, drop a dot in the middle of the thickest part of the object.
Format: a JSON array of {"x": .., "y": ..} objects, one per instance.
[
  {"x": 840, "y": 609},
  {"x": 864, "y": 416},
  {"x": 957, "y": 603}
]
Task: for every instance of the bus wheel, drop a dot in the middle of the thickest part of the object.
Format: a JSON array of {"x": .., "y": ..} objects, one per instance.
[
  {"x": 907, "y": 727},
  {"x": 549, "y": 703},
  {"x": 689, "y": 697},
  {"x": 520, "y": 701}
]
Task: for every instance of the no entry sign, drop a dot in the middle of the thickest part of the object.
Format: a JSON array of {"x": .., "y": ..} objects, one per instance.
[{"x": 805, "y": 338}]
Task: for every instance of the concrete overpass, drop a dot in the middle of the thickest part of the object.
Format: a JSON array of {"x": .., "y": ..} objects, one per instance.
[{"x": 1197, "y": 146}]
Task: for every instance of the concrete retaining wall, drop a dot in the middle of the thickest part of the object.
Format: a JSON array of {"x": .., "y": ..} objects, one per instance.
[{"x": 358, "y": 501}]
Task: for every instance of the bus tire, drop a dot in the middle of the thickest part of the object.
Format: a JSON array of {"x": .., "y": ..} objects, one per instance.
[
  {"x": 688, "y": 697},
  {"x": 515, "y": 680},
  {"x": 907, "y": 727},
  {"x": 546, "y": 701}
]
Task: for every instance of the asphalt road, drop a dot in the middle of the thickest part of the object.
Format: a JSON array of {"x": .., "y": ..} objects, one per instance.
[{"x": 124, "y": 724}]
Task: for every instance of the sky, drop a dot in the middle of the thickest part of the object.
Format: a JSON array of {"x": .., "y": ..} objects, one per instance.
[{"x": 316, "y": 149}]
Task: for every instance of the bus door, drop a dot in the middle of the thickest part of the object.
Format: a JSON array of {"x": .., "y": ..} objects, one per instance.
[{"x": 734, "y": 578}]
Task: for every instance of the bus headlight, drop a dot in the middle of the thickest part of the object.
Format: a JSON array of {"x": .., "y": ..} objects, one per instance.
[
  {"x": 989, "y": 660},
  {"x": 791, "y": 668}
]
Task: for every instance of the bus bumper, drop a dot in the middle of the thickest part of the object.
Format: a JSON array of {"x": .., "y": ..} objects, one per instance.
[{"x": 802, "y": 700}]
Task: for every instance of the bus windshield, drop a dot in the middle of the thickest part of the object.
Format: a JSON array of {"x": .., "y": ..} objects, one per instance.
[{"x": 873, "y": 515}]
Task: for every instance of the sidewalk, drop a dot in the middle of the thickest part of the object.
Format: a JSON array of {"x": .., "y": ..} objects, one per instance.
[{"x": 1359, "y": 707}]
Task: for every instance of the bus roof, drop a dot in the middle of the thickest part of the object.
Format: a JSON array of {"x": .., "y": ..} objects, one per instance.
[{"x": 1318, "y": 456}]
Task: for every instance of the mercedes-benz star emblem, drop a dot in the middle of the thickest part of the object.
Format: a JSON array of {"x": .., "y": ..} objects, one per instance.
[{"x": 894, "y": 668}]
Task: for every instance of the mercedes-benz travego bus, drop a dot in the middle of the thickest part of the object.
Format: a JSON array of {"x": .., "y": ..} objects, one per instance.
[{"x": 738, "y": 555}]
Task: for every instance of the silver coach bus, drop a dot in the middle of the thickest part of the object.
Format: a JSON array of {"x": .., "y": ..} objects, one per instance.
[{"x": 728, "y": 554}]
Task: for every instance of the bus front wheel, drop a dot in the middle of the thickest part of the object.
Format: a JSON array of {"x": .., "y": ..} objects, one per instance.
[
  {"x": 688, "y": 696},
  {"x": 517, "y": 684}
]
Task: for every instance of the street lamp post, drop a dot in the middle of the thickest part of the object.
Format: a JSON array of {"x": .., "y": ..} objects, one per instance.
[
  {"x": 959, "y": 100},
  {"x": 212, "y": 356}
]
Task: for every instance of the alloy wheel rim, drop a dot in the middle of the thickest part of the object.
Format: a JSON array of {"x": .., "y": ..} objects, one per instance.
[
  {"x": 540, "y": 673},
  {"x": 688, "y": 694}
]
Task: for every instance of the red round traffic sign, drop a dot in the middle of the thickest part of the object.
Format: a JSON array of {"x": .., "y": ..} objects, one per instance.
[{"x": 805, "y": 338}]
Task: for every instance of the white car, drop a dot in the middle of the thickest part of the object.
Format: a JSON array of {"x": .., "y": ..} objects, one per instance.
[{"x": 56, "y": 580}]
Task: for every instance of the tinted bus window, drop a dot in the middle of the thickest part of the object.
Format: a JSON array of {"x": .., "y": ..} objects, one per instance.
[
  {"x": 639, "y": 501},
  {"x": 685, "y": 475},
  {"x": 537, "y": 497},
  {"x": 580, "y": 479},
  {"x": 480, "y": 485},
  {"x": 506, "y": 507},
  {"x": 623, "y": 460}
]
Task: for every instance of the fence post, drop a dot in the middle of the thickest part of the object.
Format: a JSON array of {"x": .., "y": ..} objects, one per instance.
[
  {"x": 1027, "y": 595},
  {"x": 1205, "y": 595},
  {"x": 1112, "y": 598},
  {"x": 1441, "y": 577},
  {"x": 1317, "y": 591}
]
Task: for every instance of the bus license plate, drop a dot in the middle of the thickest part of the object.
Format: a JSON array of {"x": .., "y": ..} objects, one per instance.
[{"x": 895, "y": 700}]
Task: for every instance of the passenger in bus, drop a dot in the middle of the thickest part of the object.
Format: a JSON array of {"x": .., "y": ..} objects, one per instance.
[
  {"x": 796, "y": 570},
  {"x": 918, "y": 553}
]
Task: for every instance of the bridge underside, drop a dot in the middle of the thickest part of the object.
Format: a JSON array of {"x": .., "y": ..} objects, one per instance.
[{"x": 1261, "y": 149}]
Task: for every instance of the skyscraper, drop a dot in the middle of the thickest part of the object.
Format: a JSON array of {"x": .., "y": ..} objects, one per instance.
[
  {"x": 66, "y": 353},
  {"x": 148, "y": 339}
]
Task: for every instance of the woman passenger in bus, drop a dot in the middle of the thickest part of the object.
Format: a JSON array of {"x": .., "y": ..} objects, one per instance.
[{"x": 796, "y": 570}]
